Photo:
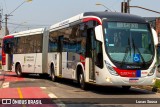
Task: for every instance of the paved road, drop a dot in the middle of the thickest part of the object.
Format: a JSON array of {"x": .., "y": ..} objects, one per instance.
[{"x": 69, "y": 92}]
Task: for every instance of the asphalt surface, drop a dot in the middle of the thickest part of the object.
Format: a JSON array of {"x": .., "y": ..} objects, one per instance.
[{"x": 67, "y": 93}]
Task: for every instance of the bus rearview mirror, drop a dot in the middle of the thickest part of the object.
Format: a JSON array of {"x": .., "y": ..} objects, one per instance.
[{"x": 98, "y": 33}]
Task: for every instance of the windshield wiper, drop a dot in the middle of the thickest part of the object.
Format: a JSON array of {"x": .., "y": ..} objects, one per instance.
[
  {"x": 128, "y": 48},
  {"x": 136, "y": 48}
]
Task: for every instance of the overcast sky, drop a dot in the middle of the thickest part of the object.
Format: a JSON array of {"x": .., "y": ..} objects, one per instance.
[{"x": 40, "y": 13}]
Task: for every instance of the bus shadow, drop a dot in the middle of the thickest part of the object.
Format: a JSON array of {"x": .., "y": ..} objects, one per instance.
[
  {"x": 107, "y": 90},
  {"x": 34, "y": 76},
  {"x": 10, "y": 75},
  {"x": 103, "y": 90},
  {"x": 24, "y": 76},
  {"x": 118, "y": 90}
]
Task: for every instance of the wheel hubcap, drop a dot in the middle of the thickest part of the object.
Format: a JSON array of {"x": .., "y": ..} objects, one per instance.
[
  {"x": 81, "y": 79},
  {"x": 52, "y": 75},
  {"x": 18, "y": 71}
]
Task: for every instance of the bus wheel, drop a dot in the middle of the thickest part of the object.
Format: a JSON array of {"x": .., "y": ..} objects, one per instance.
[
  {"x": 53, "y": 76},
  {"x": 126, "y": 87},
  {"x": 43, "y": 75},
  {"x": 82, "y": 83},
  {"x": 18, "y": 70}
]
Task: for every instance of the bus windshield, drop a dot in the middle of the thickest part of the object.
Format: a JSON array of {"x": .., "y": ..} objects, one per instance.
[{"x": 128, "y": 42}]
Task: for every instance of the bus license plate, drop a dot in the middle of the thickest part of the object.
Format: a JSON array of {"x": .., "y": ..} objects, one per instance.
[{"x": 133, "y": 80}]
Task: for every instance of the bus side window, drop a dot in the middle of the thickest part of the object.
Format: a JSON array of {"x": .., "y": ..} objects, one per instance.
[
  {"x": 99, "y": 55},
  {"x": 60, "y": 43}
]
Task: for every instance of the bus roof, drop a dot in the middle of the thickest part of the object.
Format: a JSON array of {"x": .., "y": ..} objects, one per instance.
[
  {"x": 110, "y": 16},
  {"x": 29, "y": 32},
  {"x": 116, "y": 16},
  {"x": 66, "y": 22}
]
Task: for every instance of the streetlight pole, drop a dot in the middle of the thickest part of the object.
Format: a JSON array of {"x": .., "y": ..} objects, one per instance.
[
  {"x": 19, "y": 6},
  {"x": 99, "y": 4},
  {"x": 7, "y": 15}
]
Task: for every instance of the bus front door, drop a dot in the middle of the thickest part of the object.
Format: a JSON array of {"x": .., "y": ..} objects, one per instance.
[{"x": 90, "y": 48}]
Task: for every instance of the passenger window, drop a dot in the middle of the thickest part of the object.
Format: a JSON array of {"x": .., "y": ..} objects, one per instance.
[{"x": 99, "y": 55}]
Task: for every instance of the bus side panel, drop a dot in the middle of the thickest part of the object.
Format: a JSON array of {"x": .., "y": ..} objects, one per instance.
[
  {"x": 86, "y": 72},
  {"x": 72, "y": 60},
  {"x": 38, "y": 63},
  {"x": 5, "y": 61},
  {"x": 52, "y": 58},
  {"x": 27, "y": 62},
  {"x": 65, "y": 71},
  {"x": 18, "y": 58}
]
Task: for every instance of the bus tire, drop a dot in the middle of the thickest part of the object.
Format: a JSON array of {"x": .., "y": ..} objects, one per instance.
[
  {"x": 126, "y": 88},
  {"x": 82, "y": 83},
  {"x": 53, "y": 76},
  {"x": 18, "y": 70}
]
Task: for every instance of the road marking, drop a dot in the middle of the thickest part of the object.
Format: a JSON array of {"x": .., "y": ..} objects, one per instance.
[
  {"x": 43, "y": 87},
  {"x": 52, "y": 95},
  {"x": 58, "y": 102},
  {"x": 20, "y": 95},
  {"x": 5, "y": 85}
]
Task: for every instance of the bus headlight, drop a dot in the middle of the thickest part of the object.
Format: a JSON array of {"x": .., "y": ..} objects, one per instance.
[
  {"x": 152, "y": 71},
  {"x": 110, "y": 69}
]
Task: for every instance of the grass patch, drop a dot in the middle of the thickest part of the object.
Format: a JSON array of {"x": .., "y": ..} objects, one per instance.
[{"x": 157, "y": 83}]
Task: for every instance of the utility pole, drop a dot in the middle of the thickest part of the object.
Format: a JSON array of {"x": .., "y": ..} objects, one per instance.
[
  {"x": 7, "y": 15},
  {"x": 1, "y": 18},
  {"x": 6, "y": 28}
]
